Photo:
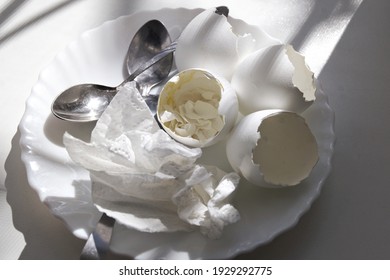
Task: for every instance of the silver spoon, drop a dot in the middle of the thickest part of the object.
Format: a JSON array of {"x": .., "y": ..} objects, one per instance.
[
  {"x": 152, "y": 38},
  {"x": 149, "y": 50}
]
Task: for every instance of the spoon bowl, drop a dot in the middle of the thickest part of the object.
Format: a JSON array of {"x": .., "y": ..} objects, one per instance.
[
  {"x": 83, "y": 103},
  {"x": 150, "y": 50},
  {"x": 151, "y": 39}
]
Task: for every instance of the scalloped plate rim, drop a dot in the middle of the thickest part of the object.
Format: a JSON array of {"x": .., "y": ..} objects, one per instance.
[{"x": 30, "y": 154}]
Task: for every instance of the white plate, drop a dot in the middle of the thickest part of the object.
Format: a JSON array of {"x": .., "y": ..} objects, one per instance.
[{"x": 98, "y": 57}]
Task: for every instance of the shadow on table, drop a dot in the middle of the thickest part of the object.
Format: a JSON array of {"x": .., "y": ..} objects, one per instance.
[
  {"x": 12, "y": 8},
  {"x": 322, "y": 11},
  {"x": 46, "y": 236}
]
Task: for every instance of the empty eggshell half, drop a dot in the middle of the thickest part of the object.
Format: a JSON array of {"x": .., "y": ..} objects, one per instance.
[
  {"x": 197, "y": 108},
  {"x": 274, "y": 77},
  {"x": 209, "y": 42},
  {"x": 272, "y": 148}
]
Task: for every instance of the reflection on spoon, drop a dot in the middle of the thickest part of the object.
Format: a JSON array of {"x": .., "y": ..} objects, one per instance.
[{"x": 151, "y": 45}]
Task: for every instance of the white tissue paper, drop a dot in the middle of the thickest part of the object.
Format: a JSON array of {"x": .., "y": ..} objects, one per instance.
[{"x": 145, "y": 179}]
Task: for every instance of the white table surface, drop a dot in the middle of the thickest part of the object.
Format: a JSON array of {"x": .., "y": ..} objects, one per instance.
[{"x": 346, "y": 43}]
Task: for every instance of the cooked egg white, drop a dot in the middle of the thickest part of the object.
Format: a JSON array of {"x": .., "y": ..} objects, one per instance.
[{"x": 197, "y": 108}]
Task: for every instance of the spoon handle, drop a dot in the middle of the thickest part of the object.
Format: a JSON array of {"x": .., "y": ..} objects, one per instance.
[
  {"x": 171, "y": 48},
  {"x": 97, "y": 246}
]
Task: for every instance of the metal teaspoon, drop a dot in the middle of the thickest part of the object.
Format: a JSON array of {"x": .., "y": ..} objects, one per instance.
[{"x": 149, "y": 50}]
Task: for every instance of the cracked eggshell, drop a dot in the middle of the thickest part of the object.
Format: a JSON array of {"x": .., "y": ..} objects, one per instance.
[
  {"x": 274, "y": 77},
  {"x": 209, "y": 42},
  {"x": 272, "y": 148},
  {"x": 197, "y": 108}
]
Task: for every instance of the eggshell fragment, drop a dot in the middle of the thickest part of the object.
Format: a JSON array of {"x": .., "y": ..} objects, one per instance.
[
  {"x": 272, "y": 148},
  {"x": 274, "y": 77},
  {"x": 208, "y": 42},
  {"x": 197, "y": 108}
]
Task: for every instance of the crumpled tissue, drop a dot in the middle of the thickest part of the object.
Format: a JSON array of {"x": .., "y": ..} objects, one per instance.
[{"x": 148, "y": 181}]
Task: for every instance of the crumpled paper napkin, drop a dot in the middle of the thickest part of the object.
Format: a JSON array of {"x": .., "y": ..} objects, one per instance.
[{"x": 148, "y": 181}]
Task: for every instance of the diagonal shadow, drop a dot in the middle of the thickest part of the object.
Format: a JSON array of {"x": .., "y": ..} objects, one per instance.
[
  {"x": 31, "y": 217},
  {"x": 321, "y": 12},
  {"x": 9, "y": 10},
  {"x": 12, "y": 8}
]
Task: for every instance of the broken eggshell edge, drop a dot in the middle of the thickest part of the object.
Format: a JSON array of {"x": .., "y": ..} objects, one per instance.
[
  {"x": 274, "y": 77},
  {"x": 245, "y": 138},
  {"x": 209, "y": 42}
]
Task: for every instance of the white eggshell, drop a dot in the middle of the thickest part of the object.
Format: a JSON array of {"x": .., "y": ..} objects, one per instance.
[
  {"x": 208, "y": 42},
  {"x": 274, "y": 77},
  {"x": 272, "y": 148},
  {"x": 189, "y": 88}
]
